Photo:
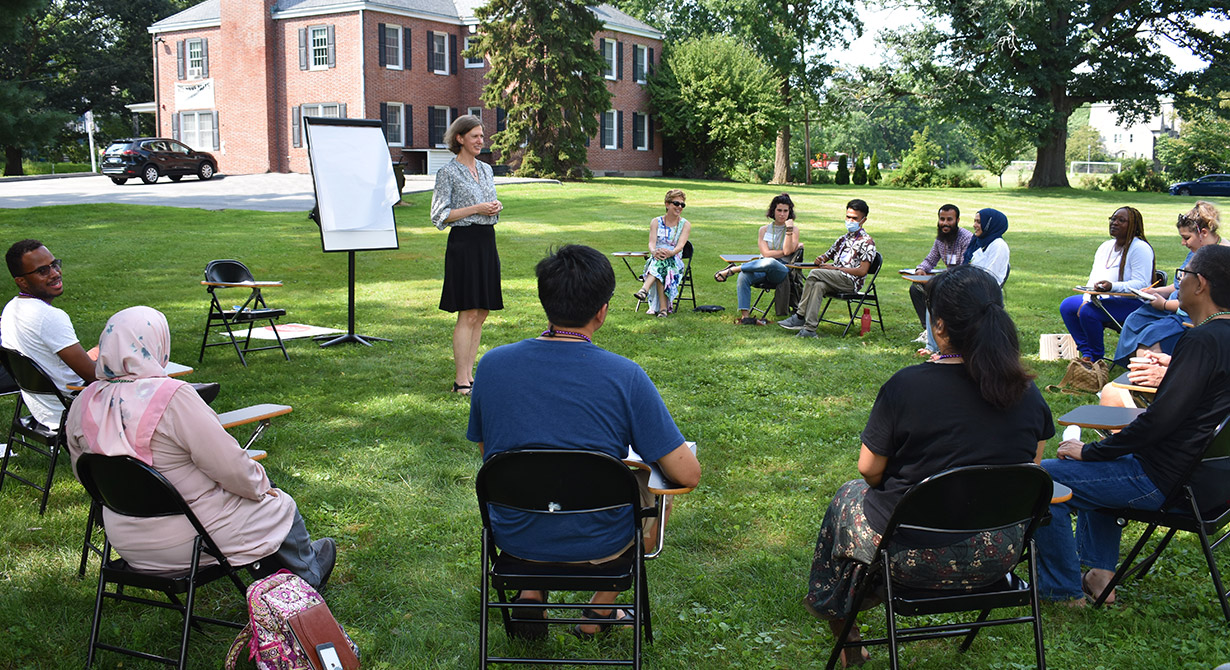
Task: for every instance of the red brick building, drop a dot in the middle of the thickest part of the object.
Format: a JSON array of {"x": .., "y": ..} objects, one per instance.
[{"x": 236, "y": 77}]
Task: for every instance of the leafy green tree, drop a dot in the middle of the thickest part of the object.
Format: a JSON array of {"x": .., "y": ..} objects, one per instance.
[
  {"x": 860, "y": 172},
  {"x": 998, "y": 147},
  {"x": 873, "y": 175},
  {"x": 1202, "y": 147},
  {"x": 918, "y": 167},
  {"x": 1085, "y": 144},
  {"x": 719, "y": 99},
  {"x": 547, "y": 75},
  {"x": 843, "y": 171},
  {"x": 1034, "y": 63}
]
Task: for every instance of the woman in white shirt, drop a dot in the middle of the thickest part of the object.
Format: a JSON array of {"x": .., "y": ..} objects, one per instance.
[
  {"x": 988, "y": 251},
  {"x": 1122, "y": 263}
]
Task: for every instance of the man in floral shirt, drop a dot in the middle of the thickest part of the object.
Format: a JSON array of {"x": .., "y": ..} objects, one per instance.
[{"x": 840, "y": 270}]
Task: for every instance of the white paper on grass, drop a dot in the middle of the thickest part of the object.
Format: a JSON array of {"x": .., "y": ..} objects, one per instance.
[{"x": 355, "y": 185}]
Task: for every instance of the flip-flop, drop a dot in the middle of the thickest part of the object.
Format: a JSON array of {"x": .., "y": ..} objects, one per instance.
[
  {"x": 614, "y": 615},
  {"x": 528, "y": 624},
  {"x": 461, "y": 389}
]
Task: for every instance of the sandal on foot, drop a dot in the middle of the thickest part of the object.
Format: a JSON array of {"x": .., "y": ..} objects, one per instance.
[
  {"x": 721, "y": 275},
  {"x": 461, "y": 389},
  {"x": 613, "y": 615},
  {"x": 1093, "y": 597},
  {"x": 528, "y": 624},
  {"x": 751, "y": 321},
  {"x": 641, "y": 295},
  {"x": 662, "y": 314}
]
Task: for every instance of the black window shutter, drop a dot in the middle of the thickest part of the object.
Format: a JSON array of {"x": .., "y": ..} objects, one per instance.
[
  {"x": 452, "y": 114},
  {"x": 384, "y": 117},
  {"x": 501, "y": 119},
  {"x": 619, "y": 60},
  {"x": 649, "y": 130},
  {"x": 217, "y": 145},
  {"x": 636, "y": 131},
  {"x": 330, "y": 46},
  {"x": 619, "y": 130},
  {"x": 636, "y": 62},
  {"x": 431, "y": 51},
  {"x": 179, "y": 59},
  {"x": 452, "y": 56},
  {"x": 296, "y": 138},
  {"x": 341, "y": 110},
  {"x": 175, "y": 126},
  {"x": 649, "y": 64},
  {"x": 381, "y": 43},
  {"x": 408, "y": 122},
  {"x": 602, "y": 130},
  {"x": 303, "y": 52},
  {"x": 405, "y": 47},
  {"x": 204, "y": 58},
  {"x": 431, "y": 126}
]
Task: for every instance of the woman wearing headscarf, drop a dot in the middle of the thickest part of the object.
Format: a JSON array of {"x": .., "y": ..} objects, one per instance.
[
  {"x": 135, "y": 410},
  {"x": 988, "y": 251}
]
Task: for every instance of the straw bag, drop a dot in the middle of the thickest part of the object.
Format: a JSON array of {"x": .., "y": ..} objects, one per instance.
[{"x": 1089, "y": 379}]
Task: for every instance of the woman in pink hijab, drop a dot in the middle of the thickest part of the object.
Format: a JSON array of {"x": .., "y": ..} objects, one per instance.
[{"x": 135, "y": 410}]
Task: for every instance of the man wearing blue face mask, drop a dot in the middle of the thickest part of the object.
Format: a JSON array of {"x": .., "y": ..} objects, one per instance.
[{"x": 840, "y": 270}]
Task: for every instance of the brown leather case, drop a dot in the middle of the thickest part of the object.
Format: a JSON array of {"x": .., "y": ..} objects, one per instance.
[{"x": 316, "y": 625}]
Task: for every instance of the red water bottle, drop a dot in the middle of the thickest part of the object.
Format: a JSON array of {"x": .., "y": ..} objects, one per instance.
[{"x": 866, "y": 324}]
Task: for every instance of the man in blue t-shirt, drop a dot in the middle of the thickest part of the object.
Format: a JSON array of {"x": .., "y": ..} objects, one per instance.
[{"x": 560, "y": 390}]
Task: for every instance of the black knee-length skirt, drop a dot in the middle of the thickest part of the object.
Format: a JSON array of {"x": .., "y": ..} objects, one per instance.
[{"x": 471, "y": 270}]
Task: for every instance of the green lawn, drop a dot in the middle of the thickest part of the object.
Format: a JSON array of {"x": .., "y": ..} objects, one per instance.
[{"x": 375, "y": 451}]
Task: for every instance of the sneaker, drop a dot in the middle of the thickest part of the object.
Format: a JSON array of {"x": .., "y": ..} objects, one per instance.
[
  {"x": 803, "y": 332},
  {"x": 795, "y": 322},
  {"x": 9, "y": 451},
  {"x": 922, "y": 338}
]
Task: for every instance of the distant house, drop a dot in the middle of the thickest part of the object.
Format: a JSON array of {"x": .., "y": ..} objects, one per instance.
[
  {"x": 1138, "y": 140},
  {"x": 236, "y": 77}
]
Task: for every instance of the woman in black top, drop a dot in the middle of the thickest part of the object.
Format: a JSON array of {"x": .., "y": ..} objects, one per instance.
[{"x": 974, "y": 405}]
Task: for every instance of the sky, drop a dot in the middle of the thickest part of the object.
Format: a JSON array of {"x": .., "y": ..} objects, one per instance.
[{"x": 864, "y": 50}]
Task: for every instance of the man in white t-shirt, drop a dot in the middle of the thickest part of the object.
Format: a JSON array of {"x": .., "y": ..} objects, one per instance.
[{"x": 30, "y": 325}]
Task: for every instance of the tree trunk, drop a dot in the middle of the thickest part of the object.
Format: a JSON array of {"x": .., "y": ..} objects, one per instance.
[
  {"x": 1051, "y": 168},
  {"x": 781, "y": 158},
  {"x": 12, "y": 162}
]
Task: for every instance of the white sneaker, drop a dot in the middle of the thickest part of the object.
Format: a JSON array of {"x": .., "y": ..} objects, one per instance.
[
  {"x": 11, "y": 453},
  {"x": 795, "y": 322},
  {"x": 922, "y": 338}
]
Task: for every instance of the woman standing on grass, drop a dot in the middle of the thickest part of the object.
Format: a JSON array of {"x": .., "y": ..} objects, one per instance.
[
  {"x": 668, "y": 235},
  {"x": 975, "y": 405},
  {"x": 778, "y": 242},
  {"x": 464, "y": 200}
]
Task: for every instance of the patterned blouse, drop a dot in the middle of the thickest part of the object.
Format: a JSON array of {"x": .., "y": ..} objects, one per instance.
[
  {"x": 850, "y": 250},
  {"x": 456, "y": 188}
]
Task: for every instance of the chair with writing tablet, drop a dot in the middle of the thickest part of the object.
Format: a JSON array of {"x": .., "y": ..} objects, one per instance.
[
  {"x": 856, "y": 301},
  {"x": 786, "y": 292},
  {"x": 222, "y": 275},
  {"x": 26, "y": 431}
]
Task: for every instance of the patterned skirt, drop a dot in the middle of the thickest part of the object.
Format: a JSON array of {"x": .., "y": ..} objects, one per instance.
[
  {"x": 668, "y": 271},
  {"x": 847, "y": 545}
]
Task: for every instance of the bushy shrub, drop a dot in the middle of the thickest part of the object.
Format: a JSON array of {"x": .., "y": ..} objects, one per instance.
[
  {"x": 1138, "y": 175},
  {"x": 821, "y": 176},
  {"x": 1090, "y": 182},
  {"x": 860, "y": 172},
  {"x": 873, "y": 174},
  {"x": 917, "y": 168},
  {"x": 843, "y": 171},
  {"x": 957, "y": 175}
]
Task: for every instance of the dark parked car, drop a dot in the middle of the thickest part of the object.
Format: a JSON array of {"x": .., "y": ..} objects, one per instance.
[
  {"x": 1213, "y": 184},
  {"x": 151, "y": 157}
]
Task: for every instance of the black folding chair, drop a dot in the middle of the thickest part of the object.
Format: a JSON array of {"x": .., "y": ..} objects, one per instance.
[
  {"x": 686, "y": 282},
  {"x": 544, "y": 483},
  {"x": 1199, "y": 505},
  {"x": 249, "y": 313},
  {"x": 867, "y": 296},
  {"x": 959, "y": 502},
  {"x": 26, "y": 431},
  {"x": 129, "y": 487},
  {"x": 1159, "y": 279},
  {"x": 787, "y": 291}
]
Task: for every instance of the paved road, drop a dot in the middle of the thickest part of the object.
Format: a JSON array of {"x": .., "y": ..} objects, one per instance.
[{"x": 264, "y": 192}]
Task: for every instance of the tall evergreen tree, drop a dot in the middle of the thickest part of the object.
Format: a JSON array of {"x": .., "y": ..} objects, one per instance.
[{"x": 548, "y": 76}]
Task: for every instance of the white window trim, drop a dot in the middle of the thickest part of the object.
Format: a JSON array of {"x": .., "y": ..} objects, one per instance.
[
  {"x": 320, "y": 107},
  {"x": 471, "y": 64},
  {"x": 645, "y": 130},
  {"x": 440, "y": 58},
  {"x": 642, "y": 76},
  {"x": 447, "y": 121},
  {"x": 189, "y": 71},
  {"x": 401, "y": 124},
  {"x": 476, "y": 111},
  {"x": 401, "y": 49},
  {"x": 612, "y": 123},
  {"x": 183, "y": 130},
  {"x": 610, "y": 60},
  {"x": 311, "y": 45}
]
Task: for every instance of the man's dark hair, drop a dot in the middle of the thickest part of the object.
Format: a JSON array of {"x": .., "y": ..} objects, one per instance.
[
  {"x": 783, "y": 199},
  {"x": 951, "y": 208},
  {"x": 858, "y": 205},
  {"x": 17, "y": 252},
  {"x": 574, "y": 282},
  {"x": 1212, "y": 262}
]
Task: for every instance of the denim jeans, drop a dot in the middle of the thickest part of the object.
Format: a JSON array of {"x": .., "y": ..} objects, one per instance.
[
  {"x": 754, "y": 271},
  {"x": 1086, "y": 322},
  {"x": 1095, "y": 485}
]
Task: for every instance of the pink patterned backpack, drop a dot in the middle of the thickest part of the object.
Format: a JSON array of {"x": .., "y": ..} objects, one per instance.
[{"x": 272, "y": 644}]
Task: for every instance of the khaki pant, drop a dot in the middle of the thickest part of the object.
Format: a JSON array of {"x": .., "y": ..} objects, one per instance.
[{"x": 820, "y": 283}]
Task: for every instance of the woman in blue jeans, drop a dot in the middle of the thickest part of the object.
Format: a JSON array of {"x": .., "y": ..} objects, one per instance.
[{"x": 778, "y": 241}]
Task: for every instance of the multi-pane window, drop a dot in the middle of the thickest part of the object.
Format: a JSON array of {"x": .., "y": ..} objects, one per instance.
[
  {"x": 439, "y": 50},
  {"x": 475, "y": 111},
  {"x": 319, "y": 41},
  {"x": 608, "y": 57},
  {"x": 196, "y": 58},
  {"x": 609, "y": 126},
  {"x": 437, "y": 122},
  {"x": 196, "y": 129},
  {"x": 640, "y": 131},
  {"x": 393, "y": 123},
  {"x": 470, "y": 61},
  {"x": 392, "y": 47},
  {"x": 640, "y": 63}
]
